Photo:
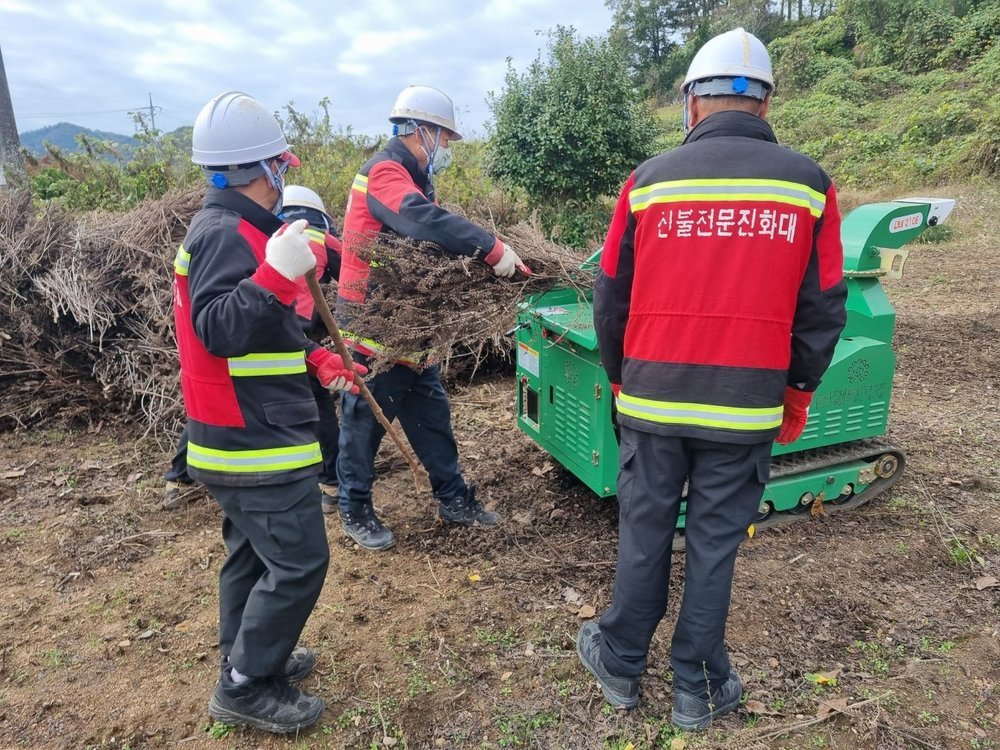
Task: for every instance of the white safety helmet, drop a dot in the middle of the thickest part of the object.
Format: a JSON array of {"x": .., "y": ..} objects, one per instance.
[
  {"x": 424, "y": 104},
  {"x": 738, "y": 58},
  {"x": 235, "y": 129},
  {"x": 297, "y": 195}
]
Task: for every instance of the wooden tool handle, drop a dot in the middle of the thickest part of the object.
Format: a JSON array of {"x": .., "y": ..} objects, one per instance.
[{"x": 420, "y": 476}]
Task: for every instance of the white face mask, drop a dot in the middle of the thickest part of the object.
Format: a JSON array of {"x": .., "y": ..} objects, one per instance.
[
  {"x": 438, "y": 156},
  {"x": 442, "y": 160}
]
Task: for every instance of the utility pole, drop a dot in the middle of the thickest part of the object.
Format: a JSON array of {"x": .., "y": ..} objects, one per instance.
[
  {"x": 152, "y": 113},
  {"x": 10, "y": 145}
]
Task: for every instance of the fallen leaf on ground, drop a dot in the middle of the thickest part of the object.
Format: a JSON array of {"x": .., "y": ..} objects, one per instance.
[
  {"x": 831, "y": 706},
  {"x": 677, "y": 743},
  {"x": 475, "y": 577},
  {"x": 524, "y": 519},
  {"x": 951, "y": 482},
  {"x": 824, "y": 678},
  {"x": 757, "y": 707},
  {"x": 506, "y": 676},
  {"x": 586, "y": 612},
  {"x": 572, "y": 596},
  {"x": 541, "y": 471},
  {"x": 985, "y": 582}
]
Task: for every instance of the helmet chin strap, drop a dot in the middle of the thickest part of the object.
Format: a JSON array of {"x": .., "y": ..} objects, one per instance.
[{"x": 431, "y": 152}]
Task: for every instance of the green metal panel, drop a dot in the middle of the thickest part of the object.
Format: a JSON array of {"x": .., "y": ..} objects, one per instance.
[{"x": 564, "y": 399}]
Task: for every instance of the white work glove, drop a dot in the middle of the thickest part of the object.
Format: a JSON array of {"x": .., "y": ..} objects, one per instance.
[
  {"x": 509, "y": 262},
  {"x": 288, "y": 251}
]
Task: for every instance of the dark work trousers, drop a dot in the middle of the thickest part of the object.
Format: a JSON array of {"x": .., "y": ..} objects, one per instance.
[
  {"x": 329, "y": 431},
  {"x": 178, "y": 471},
  {"x": 418, "y": 399},
  {"x": 273, "y": 574},
  {"x": 725, "y": 485}
]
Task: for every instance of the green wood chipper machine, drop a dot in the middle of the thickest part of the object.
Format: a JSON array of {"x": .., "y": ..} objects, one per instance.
[{"x": 841, "y": 461}]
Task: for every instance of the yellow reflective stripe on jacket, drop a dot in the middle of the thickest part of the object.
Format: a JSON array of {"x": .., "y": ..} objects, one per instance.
[
  {"x": 267, "y": 363},
  {"x": 182, "y": 261},
  {"x": 265, "y": 459},
  {"x": 316, "y": 235},
  {"x": 777, "y": 191},
  {"x": 701, "y": 415},
  {"x": 360, "y": 183},
  {"x": 376, "y": 348}
]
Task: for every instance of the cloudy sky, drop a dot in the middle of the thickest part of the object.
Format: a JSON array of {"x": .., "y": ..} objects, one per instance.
[{"x": 90, "y": 61}]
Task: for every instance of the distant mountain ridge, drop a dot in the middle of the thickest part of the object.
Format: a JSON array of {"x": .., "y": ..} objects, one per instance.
[{"x": 63, "y": 135}]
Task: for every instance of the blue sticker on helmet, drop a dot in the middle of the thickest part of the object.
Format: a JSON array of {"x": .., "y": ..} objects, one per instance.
[
  {"x": 220, "y": 181},
  {"x": 740, "y": 85}
]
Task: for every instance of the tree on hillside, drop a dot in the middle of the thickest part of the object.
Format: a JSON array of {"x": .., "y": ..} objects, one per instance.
[{"x": 569, "y": 129}]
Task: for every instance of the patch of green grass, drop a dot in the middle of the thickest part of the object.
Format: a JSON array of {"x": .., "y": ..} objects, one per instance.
[
  {"x": 55, "y": 657},
  {"x": 518, "y": 730},
  {"x": 875, "y": 657},
  {"x": 926, "y": 717},
  {"x": 219, "y": 731},
  {"x": 962, "y": 553},
  {"x": 14, "y": 534},
  {"x": 418, "y": 683},
  {"x": 506, "y": 638}
]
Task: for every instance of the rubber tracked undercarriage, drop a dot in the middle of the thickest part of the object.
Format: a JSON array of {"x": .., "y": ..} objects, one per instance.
[{"x": 839, "y": 463}]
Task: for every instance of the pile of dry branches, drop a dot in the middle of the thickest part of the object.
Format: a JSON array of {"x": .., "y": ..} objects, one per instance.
[
  {"x": 86, "y": 317},
  {"x": 86, "y": 324},
  {"x": 423, "y": 303}
]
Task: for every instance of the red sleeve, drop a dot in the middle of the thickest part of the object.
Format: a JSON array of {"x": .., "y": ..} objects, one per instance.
[
  {"x": 828, "y": 244},
  {"x": 612, "y": 243},
  {"x": 396, "y": 201}
]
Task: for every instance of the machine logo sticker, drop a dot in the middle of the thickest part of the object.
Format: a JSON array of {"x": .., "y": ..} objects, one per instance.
[
  {"x": 902, "y": 223},
  {"x": 857, "y": 371}
]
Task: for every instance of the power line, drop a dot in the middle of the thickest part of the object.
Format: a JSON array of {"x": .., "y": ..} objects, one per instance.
[{"x": 38, "y": 115}]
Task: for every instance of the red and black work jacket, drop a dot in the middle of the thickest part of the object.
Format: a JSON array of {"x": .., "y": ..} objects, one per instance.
[
  {"x": 720, "y": 283},
  {"x": 393, "y": 195},
  {"x": 251, "y": 413},
  {"x": 327, "y": 249}
]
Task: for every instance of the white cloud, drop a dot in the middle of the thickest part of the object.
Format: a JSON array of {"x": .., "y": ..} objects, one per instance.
[{"x": 110, "y": 54}]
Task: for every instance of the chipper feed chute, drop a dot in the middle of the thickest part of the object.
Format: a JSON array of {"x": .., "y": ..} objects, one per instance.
[{"x": 564, "y": 399}]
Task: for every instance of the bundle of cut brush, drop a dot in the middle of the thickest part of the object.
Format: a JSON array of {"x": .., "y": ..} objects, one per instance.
[{"x": 431, "y": 306}]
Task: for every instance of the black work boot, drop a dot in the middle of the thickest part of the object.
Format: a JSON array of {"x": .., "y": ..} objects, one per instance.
[
  {"x": 466, "y": 510},
  {"x": 297, "y": 668},
  {"x": 692, "y": 713},
  {"x": 621, "y": 692},
  {"x": 299, "y": 664},
  {"x": 268, "y": 703},
  {"x": 178, "y": 494},
  {"x": 329, "y": 494},
  {"x": 365, "y": 528}
]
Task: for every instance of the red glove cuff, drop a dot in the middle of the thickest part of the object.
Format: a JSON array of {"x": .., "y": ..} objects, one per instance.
[
  {"x": 321, "y": 358},
  {"x": 494, "y": 255},
  {"x": 616, "y": 388},
  {"x": 797, "y": 400},
  {"x": 281, "y": 287}
]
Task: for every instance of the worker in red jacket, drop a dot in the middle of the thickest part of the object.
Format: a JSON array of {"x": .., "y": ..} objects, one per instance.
[
  {"x": 394, "y": 193},
  {"x": 718, "y": 304},
  {"x": 298, "y": 202},
  {"x": 245, "y": 368}
]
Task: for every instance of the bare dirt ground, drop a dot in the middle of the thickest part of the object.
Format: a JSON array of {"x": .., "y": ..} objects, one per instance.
[{"x": 465, "y": 638}]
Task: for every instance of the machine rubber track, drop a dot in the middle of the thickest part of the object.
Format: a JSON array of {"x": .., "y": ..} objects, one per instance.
[{"x": 795, "y": 463}]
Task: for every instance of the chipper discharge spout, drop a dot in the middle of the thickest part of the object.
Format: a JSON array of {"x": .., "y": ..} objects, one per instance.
[{"x": 564, "y": 400}]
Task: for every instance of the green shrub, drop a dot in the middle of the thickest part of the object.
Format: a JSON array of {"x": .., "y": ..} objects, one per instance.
[
  {"x": 976, "y": 33},
  {"x": 570, "y": 128},
  {"x": 813, "y": 116},
  {"x": 882, "y": 81}
]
